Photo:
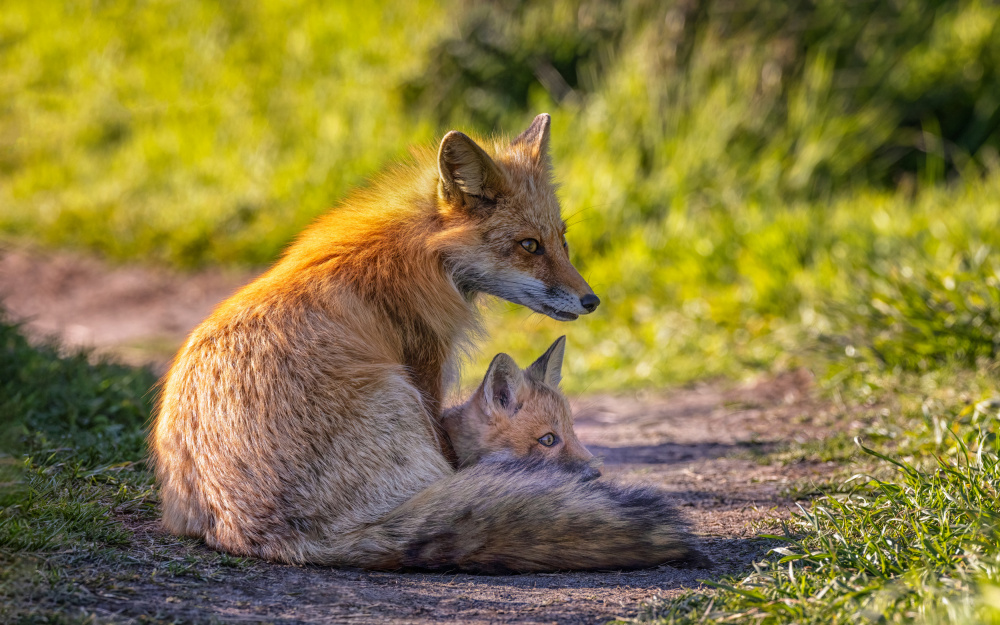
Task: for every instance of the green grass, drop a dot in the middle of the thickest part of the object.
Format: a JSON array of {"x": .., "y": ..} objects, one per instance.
[
  {"x": 200, "y": 132},
  {"x": 50, "y": 399},
  {"x": 912, "y": 536},
  {"x": 73, "y": 481},
  {"x": 730, "y": 171}
]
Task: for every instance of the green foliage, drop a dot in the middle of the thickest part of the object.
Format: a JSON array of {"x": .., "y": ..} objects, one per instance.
[
  {"x": 915, "y": 547},
  {"x": 920, "y": 321},
  {"x": 82, "y": 425},
  {"x": 64, "y": 504},
  {"x": 71, "y": 475},
  {"x": 48, "y": 399},
  {"x": 788, "y": 98},
  {"x": 727, "y": 168},
  {"x": 197, "y": 131},
  {"x": 504, "y": 55},
  {"x": 717, "y": 294}
]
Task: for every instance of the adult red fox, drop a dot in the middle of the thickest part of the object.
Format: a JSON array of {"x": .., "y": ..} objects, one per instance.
[{"x": 300, "y": 422}]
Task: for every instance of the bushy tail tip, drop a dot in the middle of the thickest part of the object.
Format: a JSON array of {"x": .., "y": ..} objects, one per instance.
[{"x": 516, "y": 516}]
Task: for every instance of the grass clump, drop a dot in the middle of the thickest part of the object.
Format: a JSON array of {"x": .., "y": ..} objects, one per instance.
[
  {"x": 913, "y": 535},
  {"x": 62, "y": 503},
  {"x": 921, "y": 545},
  {"x": 49, "y": 399},
  {"x": 930, "y": 317},
  {"x": 74, "y": 485}
]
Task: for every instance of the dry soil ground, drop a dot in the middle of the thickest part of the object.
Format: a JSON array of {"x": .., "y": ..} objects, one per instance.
[{"x": 698, "y": 443}]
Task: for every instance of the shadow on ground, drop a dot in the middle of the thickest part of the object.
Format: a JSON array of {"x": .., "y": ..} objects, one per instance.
[
  {"x": 271, "y": 593},
  {"x": 671, "y": 453}
]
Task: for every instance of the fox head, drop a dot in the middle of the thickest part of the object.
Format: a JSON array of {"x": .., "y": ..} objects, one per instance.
[
  {"x": 519, "y": 412},
  {"x": 506, "y": 236}
]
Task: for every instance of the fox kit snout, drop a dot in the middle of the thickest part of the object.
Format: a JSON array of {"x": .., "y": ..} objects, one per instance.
[{"x": 520, "y": 413}]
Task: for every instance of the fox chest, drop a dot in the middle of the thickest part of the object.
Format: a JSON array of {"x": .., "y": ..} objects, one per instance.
[
  {"x": 425, "y": 364},
  {"x": 425, "y": 367}
]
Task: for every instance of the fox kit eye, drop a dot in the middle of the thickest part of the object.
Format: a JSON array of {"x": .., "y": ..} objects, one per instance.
[
  {"x": 565, "y": 243},
  {"x": 548, "y": 440},
  {"x": 533, "y": 246}
]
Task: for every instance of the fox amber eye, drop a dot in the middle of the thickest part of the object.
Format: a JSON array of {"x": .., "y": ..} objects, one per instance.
[
  {"x": 532, "y": 246},
  {"x": 548, "y": 440}
]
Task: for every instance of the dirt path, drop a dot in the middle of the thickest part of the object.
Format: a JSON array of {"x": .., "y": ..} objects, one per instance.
[
  {"x": 139, "y": 314},
  {"x": 696, "y": 443}
]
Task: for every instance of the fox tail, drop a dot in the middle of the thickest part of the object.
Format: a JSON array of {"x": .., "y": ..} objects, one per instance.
[{"x": 515, "y": 516}]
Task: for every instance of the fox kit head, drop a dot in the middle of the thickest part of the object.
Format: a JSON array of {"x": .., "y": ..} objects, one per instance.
[
  {"x": 513, "y": 239},
  {"x": 520, "y": 412}
]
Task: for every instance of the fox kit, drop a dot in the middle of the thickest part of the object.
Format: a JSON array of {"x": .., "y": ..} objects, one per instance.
[
  {"x": 520, "y": 413},
  {"x": 301, "y": 422}
]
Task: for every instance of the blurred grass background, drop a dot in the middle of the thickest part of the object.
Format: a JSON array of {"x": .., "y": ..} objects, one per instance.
[{"x": 748, "y": 184}]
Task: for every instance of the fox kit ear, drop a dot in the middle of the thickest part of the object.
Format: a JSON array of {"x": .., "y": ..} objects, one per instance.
[
  {"x": 548, "y": 367},
  {"x": 536, "y": 138},
  {"x": 500, "y": 386},
  {"x": 464, "y": 167}
]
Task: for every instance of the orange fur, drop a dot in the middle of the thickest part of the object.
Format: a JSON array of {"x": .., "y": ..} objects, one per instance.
[
  {"x": 306, "y": 409},
  {"x": 516, "y": 411}
]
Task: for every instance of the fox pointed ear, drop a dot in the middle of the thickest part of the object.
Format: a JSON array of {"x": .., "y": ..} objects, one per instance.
[
  {"x": 548, "y": 367},
  {"x": 500, "y": 386},
  {"x": 536, "y": 137},
  {"x": 466, "y": 168}
]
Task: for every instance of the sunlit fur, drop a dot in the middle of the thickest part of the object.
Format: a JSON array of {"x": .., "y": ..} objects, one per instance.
[
  {"x": 512, "y": 410},
  {"x": 304, "y": 412}
]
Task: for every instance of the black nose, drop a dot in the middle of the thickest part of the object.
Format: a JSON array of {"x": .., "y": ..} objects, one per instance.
[
  {"x": 590, "y": 301},
  {"x": 591, "y": 473}
]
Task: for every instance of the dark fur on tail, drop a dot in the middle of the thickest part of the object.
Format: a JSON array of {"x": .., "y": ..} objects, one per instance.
[{"x": 505, "y": 516}]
